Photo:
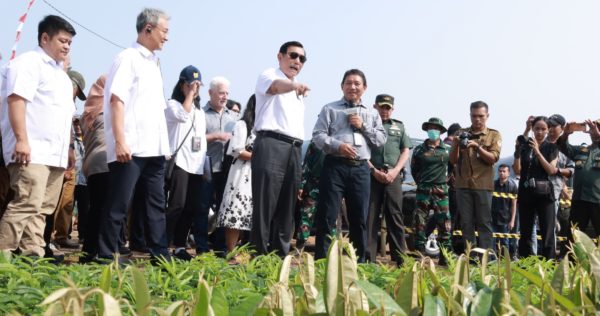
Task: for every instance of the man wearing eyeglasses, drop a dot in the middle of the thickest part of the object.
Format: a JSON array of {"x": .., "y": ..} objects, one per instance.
[{"x": 276, "y": 156}]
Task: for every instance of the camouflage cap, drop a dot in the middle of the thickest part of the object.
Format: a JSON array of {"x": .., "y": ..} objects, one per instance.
[{"x": 436, "y": 122}]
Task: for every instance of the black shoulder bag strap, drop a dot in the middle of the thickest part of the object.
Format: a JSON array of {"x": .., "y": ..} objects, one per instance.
[{"x": 186, "y": 136}]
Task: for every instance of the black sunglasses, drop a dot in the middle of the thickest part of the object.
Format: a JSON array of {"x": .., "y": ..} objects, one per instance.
[{"x": 294, "y": 55}]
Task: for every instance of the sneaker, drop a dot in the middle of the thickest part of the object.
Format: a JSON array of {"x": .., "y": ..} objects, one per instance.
[
  {"x": 183, "y": 255},
  {"x": 67, "y": 243}
]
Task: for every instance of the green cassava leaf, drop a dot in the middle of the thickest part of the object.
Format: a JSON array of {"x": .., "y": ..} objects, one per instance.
[
  {"x": 140, "y": 291},
  {"x": 433, "y": 305},
  {"x": 379, "y": 298}
]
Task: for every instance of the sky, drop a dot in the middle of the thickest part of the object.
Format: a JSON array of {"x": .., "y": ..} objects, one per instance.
[{"x": 535, "y": 57}]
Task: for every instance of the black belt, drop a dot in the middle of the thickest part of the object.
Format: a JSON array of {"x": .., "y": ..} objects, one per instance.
[
  {"x": 347, "y": 161},
  {"x": 288, "y": 139}
]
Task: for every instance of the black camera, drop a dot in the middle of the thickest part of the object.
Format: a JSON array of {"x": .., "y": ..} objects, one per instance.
[
  {"x": 529, "y": 183},
  {"x": 524, "y": 141},
  {"x": 465, "y": 137}
]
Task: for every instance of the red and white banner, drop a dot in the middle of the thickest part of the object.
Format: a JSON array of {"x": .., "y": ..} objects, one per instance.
[{"x": 19, "y": 29}]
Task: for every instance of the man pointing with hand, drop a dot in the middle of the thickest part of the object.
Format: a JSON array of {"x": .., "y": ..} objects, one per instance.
[{"x": 276, "y": 156}]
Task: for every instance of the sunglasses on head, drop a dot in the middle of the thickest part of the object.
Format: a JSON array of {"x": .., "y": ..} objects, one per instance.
[{"x": 294, "y": 55}]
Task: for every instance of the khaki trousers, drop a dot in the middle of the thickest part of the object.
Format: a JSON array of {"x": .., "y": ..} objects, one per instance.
[
  {"x": 64, "y": 212},
  {"x": 36, "y": 191}
]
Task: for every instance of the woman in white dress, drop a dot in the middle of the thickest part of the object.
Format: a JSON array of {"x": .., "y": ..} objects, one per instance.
[
  {"x": 235, "y": 214},
  {"x": 187, "y": 131}
]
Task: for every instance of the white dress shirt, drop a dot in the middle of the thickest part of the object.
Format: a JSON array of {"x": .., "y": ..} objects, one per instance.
[
  {"x": 49, "y": 107},
  {"x": 179, "y": 122},
  {"x": 135, "y": 78},
  {"x": 282, "y": 113}
]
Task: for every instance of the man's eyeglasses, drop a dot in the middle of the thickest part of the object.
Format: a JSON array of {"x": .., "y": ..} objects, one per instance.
[{"x": 294, "y": 55}]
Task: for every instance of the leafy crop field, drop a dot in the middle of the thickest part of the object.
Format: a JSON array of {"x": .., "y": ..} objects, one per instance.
[{"x": 297, "y": 285}]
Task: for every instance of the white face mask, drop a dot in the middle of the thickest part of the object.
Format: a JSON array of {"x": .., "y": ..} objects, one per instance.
[{"x": 433, "y": 134}]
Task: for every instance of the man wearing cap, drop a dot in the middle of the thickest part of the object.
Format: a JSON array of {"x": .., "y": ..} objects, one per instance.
[
  {"x": 346, "y": 131},
  {"x": 63, "y": 216},
  {"x": 585, "y": 204},
  {"x": 219, "y": 125},
  {"x": 37, "y": 107},
  {"x": 429, "y": 167},
  {"x": 386, "y": 166},
  {"x": 565, "y": 167},
  {"x": 475, "y": 152},
  {"x": 137, "y": 139}
]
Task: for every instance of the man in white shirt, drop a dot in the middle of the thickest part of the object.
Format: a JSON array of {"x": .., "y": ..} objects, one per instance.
[
  {"x": 37, "y": 108},
  {"x": 136, "y": 136},
  {"x": 276, "y": 156}
]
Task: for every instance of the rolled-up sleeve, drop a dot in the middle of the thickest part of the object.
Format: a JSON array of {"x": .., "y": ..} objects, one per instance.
[
  {"x": 320, "y": 135},
  {"x": 176, "y": 112},
  {"x": 495, "y": 146}
]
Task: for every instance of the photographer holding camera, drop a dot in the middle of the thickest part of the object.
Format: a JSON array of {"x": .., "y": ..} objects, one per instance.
[
  {"x": 474, "y": 152},
  {"x": 535, "y": 161},
  {"x": 586, "y": 182}
]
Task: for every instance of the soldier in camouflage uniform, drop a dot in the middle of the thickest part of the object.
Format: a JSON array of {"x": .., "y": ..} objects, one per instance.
[
  {"x": 429, "y": 166},
  {"x": 311, "y": 171}
]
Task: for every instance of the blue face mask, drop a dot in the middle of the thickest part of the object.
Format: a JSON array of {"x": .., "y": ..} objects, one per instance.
[{"x": 433, "y": 134}]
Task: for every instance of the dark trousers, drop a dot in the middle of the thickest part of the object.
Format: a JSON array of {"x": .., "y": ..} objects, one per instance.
[
  {"x": 582, "y": 212},
  {"x": 513, "y": 243},
  {"x": 216, "y": 187},
  {"x": 97, "y": 185},
  {"x": 135, "y": 228},
  {"x": 530, "y": 206},
  {"x": 188, "y": 199},
  {"x": 148, "y": 173},
  {"x": 386, "y": 198},
  {"x": 82, "y": 198},
  {"x": 276, "y": 173},
  {"x": 353, "y": 183},
  {"x": 475, "y": 209}
]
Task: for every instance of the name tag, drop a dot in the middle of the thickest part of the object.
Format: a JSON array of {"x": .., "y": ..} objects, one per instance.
[
  {"x": 196, "y": 143},
  {"x": 358, "y": 139}
]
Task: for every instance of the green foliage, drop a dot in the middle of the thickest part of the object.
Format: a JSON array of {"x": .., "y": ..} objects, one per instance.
[{"x": 297, "y": 285}]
